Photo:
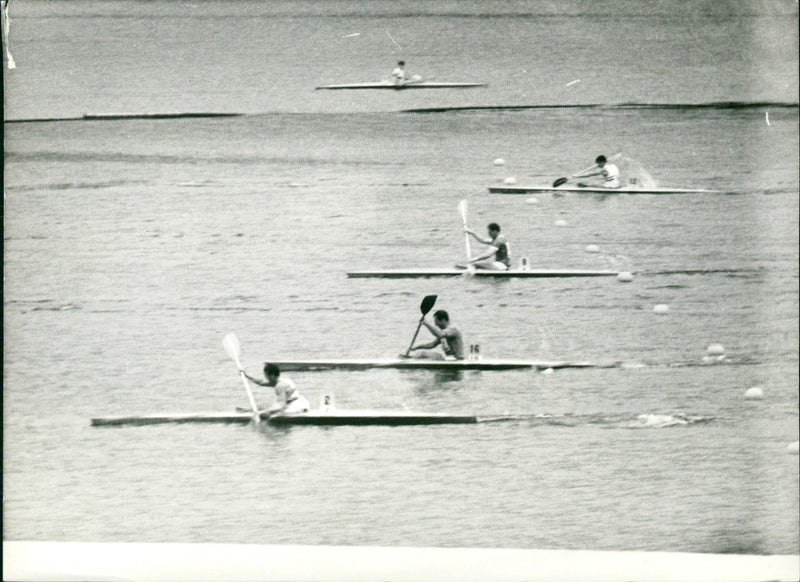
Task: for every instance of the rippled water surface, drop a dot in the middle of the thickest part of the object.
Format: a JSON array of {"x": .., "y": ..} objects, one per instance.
[{"x": 133, "y": 245}]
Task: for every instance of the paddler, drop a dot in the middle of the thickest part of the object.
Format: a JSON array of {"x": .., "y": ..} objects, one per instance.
[
  {"x": 497, "y": 257},
  {"x": 609, "y": 171},
  {"x": 399, "y": 73},
  {"x": 287, "y": 398},
  {"x": 448, "y": 336}
]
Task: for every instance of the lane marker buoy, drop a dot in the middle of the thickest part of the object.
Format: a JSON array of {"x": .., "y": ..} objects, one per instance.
[{"x": 754, "y": 393}]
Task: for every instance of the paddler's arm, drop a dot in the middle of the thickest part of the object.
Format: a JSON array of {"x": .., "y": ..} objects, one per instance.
[
  {"x": 485, "y": 256},
  {"x": 254, "y": 380},
  {"x": 428, "y": 346},
  {"x": 480, "y": 239}
]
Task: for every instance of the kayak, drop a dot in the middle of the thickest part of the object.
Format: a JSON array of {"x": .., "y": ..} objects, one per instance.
[
  {"x": 461, "y": 271},
  {"x": 594, "y": 190},
  {"x": 409, "y": 85},
  {"x": 485, "y": 364},
  {"x": 333, "y": 417}
]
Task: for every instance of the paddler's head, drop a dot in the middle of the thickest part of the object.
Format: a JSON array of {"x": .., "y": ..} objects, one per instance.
[
  {"x": 441, "y": 319},
  {"x": 272, "y": 372},
  {"x": 401, "y": 63},
  {"x": 600, "y": 161},
  {"x": 493, "y": 229}
]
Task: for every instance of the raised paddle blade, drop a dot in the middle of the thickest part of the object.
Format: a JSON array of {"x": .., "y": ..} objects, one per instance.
[
  {"x": 231, "y": 344},
  {"x": 427, "y": 304},
  {"x": 559, "y": 182},
  {"x": 232, "y": 347},
  {"x": 462, "y": 209}
]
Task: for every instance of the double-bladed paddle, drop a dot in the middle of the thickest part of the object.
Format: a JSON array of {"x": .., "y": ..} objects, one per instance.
[
  {"x": 562, "y": 181},
  {"x": 234, "y": 351},
  {"x": 427, "y": 304}
]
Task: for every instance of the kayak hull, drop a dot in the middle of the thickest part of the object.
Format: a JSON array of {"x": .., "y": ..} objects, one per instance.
[
  {"x": 315, "y": 417},
  {"x": 456, "y": 272},
  {"x": 424, "y": 364},
  {"x": 391, "y": 85}
]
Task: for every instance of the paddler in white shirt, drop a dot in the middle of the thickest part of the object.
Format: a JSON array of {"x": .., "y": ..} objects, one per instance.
[
  {"x": 448, "y": 336},
  {"x": 399, "y": 73},
  {"x": 609, "y": 171},
  {"x": 287, "y": 398},
  {"x": 497, "y": 257},
  {"x": 400, "y": 77}
]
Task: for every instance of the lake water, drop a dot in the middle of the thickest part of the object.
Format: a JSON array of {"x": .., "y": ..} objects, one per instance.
[{"x": 133, "y": 245}]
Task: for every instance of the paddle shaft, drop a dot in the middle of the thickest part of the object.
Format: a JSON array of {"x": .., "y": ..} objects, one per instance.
[{"x": 419, "y": 326}]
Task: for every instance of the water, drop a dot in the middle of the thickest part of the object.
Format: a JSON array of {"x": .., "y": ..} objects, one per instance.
[{"x": 132, "y": 246}]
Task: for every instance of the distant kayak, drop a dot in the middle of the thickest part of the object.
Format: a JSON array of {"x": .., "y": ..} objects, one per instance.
[
  {"x": 595, "y": 190},
  {"x": 402, "y": 86}
]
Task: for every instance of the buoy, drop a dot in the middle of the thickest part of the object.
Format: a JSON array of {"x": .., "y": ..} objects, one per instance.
[
  {"x": 592, "y": 249},
  {"x": 715, "y": 350},
  {"x": 560, "y": 222},
  {"x": 624, "y": 277},
  {"x": 793, "y": 447},
  {"x": 754, "y": 393},
  {"x": 510, "y": 180},
  {"x": 532, "y": 200},
  {"x": 499, "y": 162},
  {"x": 661, "y": 309}
]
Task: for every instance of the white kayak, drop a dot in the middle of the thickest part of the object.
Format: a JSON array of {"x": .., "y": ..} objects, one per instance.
[
  {"x": 332, "y": 417},
  {"x": 595, "y": 190},
  {"x": 485, "y": 364},
  {"x": 403, "y": 86},
  {"x": 459, "y": 271}
]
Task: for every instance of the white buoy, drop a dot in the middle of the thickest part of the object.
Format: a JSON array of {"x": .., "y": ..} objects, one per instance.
[
  {"x": 661, "y": 309},
  {"x": 624, "y": 277},
  {"x": 716, "y": 350},
  {"x": 793, "y": 447},
  {"x": 499, "y": 162},
  {"x": 754, "y": 393},
  {"x": 510, "y": 180},
  {"x": 560, "y": 222},
  {"x": 592, "y": 249},
  {"x": 532, "y": 200}
]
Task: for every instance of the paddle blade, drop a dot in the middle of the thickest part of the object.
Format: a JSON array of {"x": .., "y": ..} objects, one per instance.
[
  {"x": 559, "y": 182},
  {"x": 427, "y": 304},
  {"x": 232, "y": 347},
  {"x": 462, "y": 210}
]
